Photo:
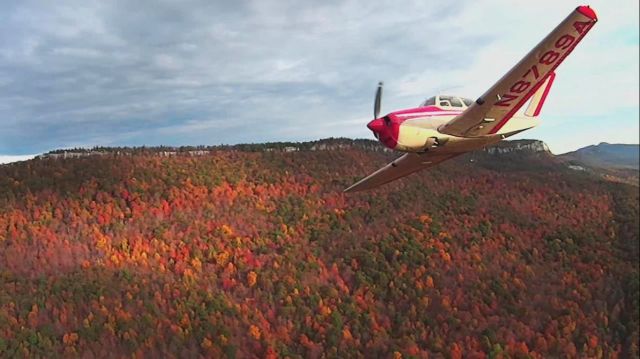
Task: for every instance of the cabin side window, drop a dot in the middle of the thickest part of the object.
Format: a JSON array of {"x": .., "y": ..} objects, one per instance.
[{"x": 444, "y": 101}]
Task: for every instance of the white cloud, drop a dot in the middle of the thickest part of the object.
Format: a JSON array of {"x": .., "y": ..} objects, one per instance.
[
  {"x": 200, "y": 72},
  {"x": 9, "y": 159}
]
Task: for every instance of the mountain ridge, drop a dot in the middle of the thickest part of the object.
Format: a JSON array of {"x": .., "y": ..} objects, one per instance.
[
  {"x": 251, "y": 252},
  {"x": 509, "y": 148},
  {"x": 607, "y": 155},
  {"x": 526, "y": 145},
  {"x": 505, "y": 146}
]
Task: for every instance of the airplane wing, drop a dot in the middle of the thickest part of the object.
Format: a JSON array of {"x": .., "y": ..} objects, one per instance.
[
  {"x": 496, "y": 106},
  {"x": 400, "y": 167}
]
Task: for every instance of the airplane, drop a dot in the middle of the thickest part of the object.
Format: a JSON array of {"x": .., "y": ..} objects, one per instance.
[{"x": 444, "y": 127}]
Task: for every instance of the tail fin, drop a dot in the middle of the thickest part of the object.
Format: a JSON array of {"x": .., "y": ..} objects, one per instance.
[{"x": 537, "y": 100}]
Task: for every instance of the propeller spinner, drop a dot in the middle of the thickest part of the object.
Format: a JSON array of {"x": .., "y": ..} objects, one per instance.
[{"x": 377, "y": 125}]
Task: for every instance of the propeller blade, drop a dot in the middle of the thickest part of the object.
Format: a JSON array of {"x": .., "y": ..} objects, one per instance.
[{"x": 376, "y": 106}]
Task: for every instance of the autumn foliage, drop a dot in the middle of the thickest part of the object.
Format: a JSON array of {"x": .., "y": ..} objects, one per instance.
[{"x": 255, "y": 253}]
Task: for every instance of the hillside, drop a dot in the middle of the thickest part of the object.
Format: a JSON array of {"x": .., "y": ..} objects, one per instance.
[
  {"x": 606, "y": 155},
  {"x": 254, "y": 250}
]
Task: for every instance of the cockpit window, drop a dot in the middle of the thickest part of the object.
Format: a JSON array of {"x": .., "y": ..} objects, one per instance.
[
  {"x": 444, "y": 101},
  {"x": 455, "y": 102},
  {"x": 449, "y": 101},
  {"x": 429, "y": 102}
]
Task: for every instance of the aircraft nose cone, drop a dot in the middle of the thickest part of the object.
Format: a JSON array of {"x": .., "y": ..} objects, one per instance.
[{"x": 376, "y": 125}]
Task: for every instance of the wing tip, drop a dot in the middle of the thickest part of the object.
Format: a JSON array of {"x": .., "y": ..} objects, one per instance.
[
  {"x": 351, "y": 188},
  {"x": 587, "y": 11}
]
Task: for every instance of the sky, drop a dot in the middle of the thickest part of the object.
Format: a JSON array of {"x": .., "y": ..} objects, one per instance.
[{"x": 131, "y": 73}]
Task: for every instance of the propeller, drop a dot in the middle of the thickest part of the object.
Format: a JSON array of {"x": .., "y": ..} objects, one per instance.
[{"x": 376, "y": 105}]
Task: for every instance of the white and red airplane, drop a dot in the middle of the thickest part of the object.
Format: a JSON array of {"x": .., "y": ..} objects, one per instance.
[{"x": 443, "y": 127}]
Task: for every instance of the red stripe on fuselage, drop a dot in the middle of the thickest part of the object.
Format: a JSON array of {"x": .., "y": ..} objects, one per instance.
[
  {"x": 421, "y": 109},
  {"x": 417, "y": 112}
]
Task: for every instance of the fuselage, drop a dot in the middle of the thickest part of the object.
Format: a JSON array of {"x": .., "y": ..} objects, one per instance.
[{"x": 416, "y": 129}]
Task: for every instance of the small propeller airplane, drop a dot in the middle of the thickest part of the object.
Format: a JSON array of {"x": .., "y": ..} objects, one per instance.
[{"x": 443, "y": 127}]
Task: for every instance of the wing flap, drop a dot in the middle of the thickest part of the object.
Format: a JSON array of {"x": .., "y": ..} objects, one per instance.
[
  {"x": 400, "y": 167},
  {"x": 510, "y": 93}
]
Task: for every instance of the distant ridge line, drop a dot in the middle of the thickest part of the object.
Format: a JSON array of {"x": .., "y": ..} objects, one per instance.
[{"x": 328, "y": 144}]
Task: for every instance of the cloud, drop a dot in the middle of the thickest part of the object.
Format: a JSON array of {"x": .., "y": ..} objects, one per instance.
[
  {"x": 202, "y": 72},
  {"x": 10, "y": 159}
]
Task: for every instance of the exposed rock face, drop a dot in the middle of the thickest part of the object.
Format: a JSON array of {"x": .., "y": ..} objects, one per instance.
[
  {"x": 531, "y": 146},
  {"x": 123, "y": 152},
  {"x": 71, "y": 154},
  {"x": 366, "y": 145},
  {"x": 329, "y": 147},
  {"x": 577, "y": 168}
]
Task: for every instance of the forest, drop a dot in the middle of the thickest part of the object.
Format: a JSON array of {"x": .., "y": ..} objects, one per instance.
[{"x": 244, "y": 252}]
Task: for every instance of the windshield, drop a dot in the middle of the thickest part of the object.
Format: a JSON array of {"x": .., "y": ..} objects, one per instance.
[
  {"x": 448, "y": 101},
  {"x": 429, "y": 102}
]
